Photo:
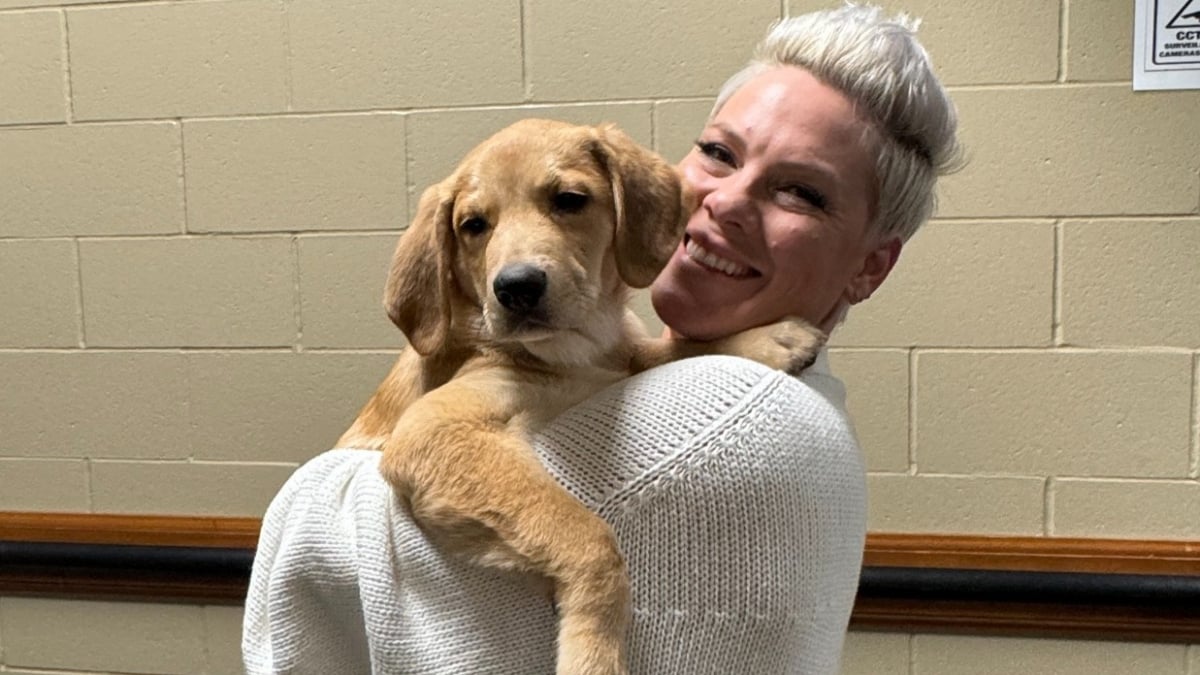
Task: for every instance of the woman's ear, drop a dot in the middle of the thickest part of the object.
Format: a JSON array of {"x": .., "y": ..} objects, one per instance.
[{"x": 876, "y": 265}]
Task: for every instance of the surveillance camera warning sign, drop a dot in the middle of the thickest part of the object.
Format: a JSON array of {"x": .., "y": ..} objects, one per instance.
[{"x": 1166, "y": 50}]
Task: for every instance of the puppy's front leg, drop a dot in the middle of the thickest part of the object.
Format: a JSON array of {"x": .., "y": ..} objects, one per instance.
[
  {"x": 790, "y": 345},
  {"x": 461, "y": 460}
]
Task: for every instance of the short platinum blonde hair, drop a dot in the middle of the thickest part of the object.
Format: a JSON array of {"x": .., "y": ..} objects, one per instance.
[{"x": 877, "y": 62}]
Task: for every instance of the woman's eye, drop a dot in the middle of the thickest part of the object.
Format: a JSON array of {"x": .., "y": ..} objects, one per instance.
[
  {"x": 570, "y": 202},
  {"x": 716, "y": 152},
  {"x": 808, "y": 195},
  {"x": 474, "y": 226}
]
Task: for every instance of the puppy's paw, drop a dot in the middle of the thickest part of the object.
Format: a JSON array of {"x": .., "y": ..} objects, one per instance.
[
  {"x": 590, "y": 656},
  {"x": 595, "y": 613},
  {"x": 790, "y": 345}
]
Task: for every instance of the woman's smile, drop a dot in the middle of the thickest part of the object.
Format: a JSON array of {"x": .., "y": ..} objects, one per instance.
[{"x": 713, "y": 262}]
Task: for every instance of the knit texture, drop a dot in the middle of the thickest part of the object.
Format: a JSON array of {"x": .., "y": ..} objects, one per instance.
[{"x": 737, "y": 494}]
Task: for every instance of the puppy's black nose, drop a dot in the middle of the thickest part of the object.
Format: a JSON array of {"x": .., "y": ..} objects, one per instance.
[{"x": 520, "y": 287}]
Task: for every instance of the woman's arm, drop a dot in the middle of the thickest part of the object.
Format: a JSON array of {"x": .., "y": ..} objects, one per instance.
[
  {"x": 738, "y": 496},
  {"x": 736, "y": 492}
]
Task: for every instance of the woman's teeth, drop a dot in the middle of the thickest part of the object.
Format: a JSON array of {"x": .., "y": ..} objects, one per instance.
[{"x": 712, "y": 261}]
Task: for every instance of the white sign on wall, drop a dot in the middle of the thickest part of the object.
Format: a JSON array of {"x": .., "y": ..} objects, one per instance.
[{"x": 1166, "y": 44}]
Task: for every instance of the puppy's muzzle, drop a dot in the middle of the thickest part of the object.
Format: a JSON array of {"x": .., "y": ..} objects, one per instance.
[{"x": 520, "y": 287}]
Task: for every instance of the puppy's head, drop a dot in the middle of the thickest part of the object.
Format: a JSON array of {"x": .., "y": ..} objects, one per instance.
[{"x": 534, "y": 239}]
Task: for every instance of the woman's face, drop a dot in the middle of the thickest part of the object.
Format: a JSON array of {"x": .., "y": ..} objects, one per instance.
[{"x": 785, "y": 182}]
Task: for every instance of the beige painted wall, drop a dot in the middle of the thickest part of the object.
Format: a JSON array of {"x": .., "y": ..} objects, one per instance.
[{"x": 198, "y": 199}]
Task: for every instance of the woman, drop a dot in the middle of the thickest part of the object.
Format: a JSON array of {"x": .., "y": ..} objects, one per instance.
[{"x": 737, "y": 493}]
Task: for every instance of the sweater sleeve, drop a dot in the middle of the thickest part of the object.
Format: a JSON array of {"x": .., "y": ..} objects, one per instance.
[{"x": 737, "y": 494}]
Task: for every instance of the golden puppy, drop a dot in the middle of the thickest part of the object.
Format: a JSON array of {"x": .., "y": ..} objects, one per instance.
[{"x": 510, "y": 286}]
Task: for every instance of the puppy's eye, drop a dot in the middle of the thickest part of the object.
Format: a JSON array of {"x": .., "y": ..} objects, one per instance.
[
  {"x": 473, "y": 226},
  {"x": 570, "y": 202}
]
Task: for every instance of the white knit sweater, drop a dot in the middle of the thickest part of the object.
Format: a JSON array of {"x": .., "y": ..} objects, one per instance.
[{"x": 737, "y": 494}]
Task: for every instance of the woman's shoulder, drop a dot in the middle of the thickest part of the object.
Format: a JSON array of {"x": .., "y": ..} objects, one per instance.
[
  {"x": 677, "y": 419},
  {"x": 736, "y": 377}
]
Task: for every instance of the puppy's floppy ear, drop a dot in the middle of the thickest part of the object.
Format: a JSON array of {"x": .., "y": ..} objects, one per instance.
[
  {"x": 652, "y": 205},
  {"x": 417, "y": 295}
]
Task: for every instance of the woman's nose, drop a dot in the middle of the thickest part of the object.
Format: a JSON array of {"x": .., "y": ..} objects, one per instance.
[{"x": 729, "y": 202}]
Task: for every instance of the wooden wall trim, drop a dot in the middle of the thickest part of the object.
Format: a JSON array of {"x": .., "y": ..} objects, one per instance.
[
  {"x": 1034, "y": 554},
  {"x": 911, "y": 582},
  {"x": 953, "y": 551},
  {"x": 132, "y": 530}
]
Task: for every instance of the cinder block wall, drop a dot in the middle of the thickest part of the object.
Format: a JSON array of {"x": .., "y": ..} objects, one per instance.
[{"x": 198, "y": 199}]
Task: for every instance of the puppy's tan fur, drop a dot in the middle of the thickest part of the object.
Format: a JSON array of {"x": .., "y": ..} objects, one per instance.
[{"x": 454, "y": 415}]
